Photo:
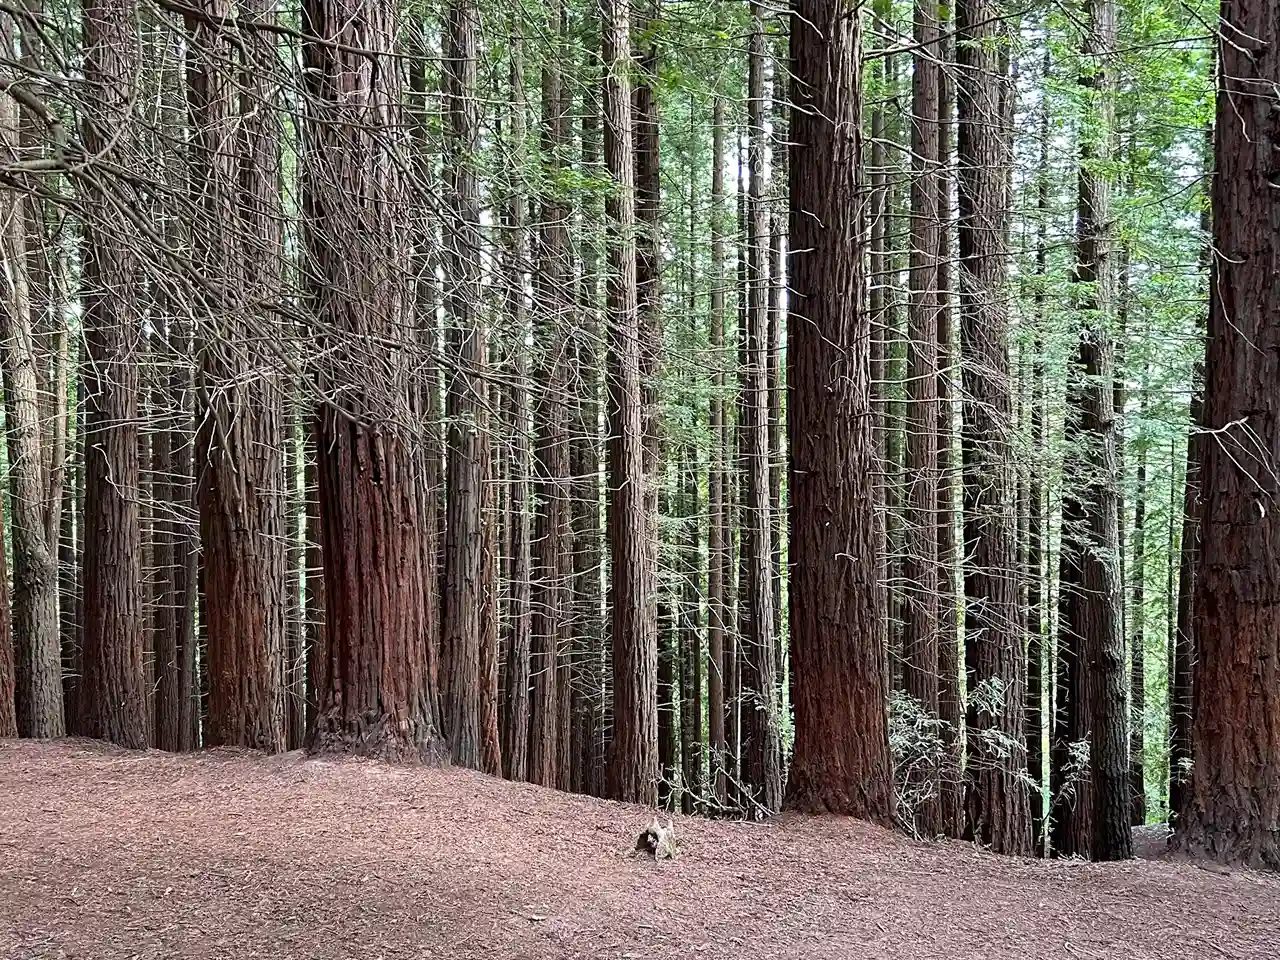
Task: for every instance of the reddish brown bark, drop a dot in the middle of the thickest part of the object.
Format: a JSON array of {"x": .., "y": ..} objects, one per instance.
[
  {"x": 111, "y": 694},
  {"x": 633, "y": 758},
  {"x": 467, "y": 442},
  {"x": 551, "y": 556},
  {"x": 718, "y": 547},
  {"x": 838, "y": 678},
  {"x": 516, "y": 642},
  {"x": 1232, "y": 808},
  {"x": 238, "y": 461},
  {"x": 377, "y": 698},
  {"x": 997, "y": 807}
]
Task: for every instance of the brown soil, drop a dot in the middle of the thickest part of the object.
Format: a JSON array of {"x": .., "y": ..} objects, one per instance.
[{"x": 105, "y": 855}]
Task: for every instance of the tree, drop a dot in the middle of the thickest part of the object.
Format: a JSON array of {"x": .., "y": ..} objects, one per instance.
[
  {"x": 515, "y": 722},
  {"x": 551, "y": 547},
  {"x": 1093, "y": 814},
  {"x": 377, "y": 698},
  {"x": 633, "y": 761},
  {"x": 464, "y": 404},
  {"x": 239, "y": 470},
  {"x": 719, "y": 549},
  {"x": 111, "y": 695},
  {"x": 838, "y": 678},
  {"x": 35, "y": 628},
  {"x": 1233, "y": 801},
  {"x": 761, "y": 736},
  {"x": 920, "y": 571},
  {"x": 996, "y": 796}
]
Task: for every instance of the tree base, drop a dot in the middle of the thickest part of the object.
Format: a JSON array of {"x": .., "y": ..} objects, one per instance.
[{"x": 379, "y": 737}]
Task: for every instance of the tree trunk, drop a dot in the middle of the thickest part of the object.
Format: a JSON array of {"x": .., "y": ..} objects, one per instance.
[
  {"x": 8, "y": 705},
  {"x": 1138, "y": 645},
  {"x": 1232, "y": 804},
  {"x": 38, "y": 649},
  {"x": 466, "y": 439},
  {"x": 762, "y": 744},
  {"x": 950, "y": 691},
  {"x": 377, "y": 699},
  {"x": 238, "y": 464},
  {"x": 920, "y": 560},
  {"x": 112, "y": 698},
  {"x": 998, "y": 814},
  {"x": 515, "y": 725},
  {"x": 633, "y": 761},
  {"x": 838, "y": 679},
  {"x": 592, "y": 667},
  {"x": 691, "y": 638},
  {"x": 1093, "y": 813},
  {"x": 718, "y": 545},
  {"x": 551, "y": 546}
]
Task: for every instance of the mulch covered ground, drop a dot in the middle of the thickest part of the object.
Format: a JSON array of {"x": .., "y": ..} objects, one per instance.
[{"x": 105, "y": 855}]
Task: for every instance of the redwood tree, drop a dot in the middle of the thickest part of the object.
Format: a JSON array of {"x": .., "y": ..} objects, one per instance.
[
  {"x": 111, "y": 694},
  {"x": 464, "y": 405},
  {"x": 997, "y": 807},
  {"x": 1232, "y": 808},
  {"x": 377, "y": 697},
  {"x": 838, "y": 677},
  {"x": 633, "y": 760}
]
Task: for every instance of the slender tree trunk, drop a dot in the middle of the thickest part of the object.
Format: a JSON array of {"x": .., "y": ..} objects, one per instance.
[
  {"x": 838, "y": 678},
  {"x": 950, "y": 691},
  {"x": 112, "y": 698},
  {"x": 1093, "y": 818},
  {"x": 691, "y": 766},
  {"x": 377, "y": 699},
  {"x": 295, "y": 671},
  {"x": 1138, "y": 645},
  {"x": 998, "y": 813},
  {"x": 551, "y": 459},
  {"x": 515, "y": 726},
  {"x": 718, "y": 545},
  {"x": 633, "y": 761},
  {"x": 35, "y": 628},
  {"x": 920, "y": 561},
  {"x": 1037, "y": 595},
  {"x": 464, "y": 542},
  {"x": 8, "y": 705},
  {"x": 762, "y": 744}
]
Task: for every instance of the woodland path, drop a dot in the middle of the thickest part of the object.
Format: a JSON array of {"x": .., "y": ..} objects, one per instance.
[{"x": 106, "y": 855}]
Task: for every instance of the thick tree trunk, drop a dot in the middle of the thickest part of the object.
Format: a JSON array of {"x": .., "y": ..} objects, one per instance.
[
  {"x": 377, "y": 698},
  {"x": 112, "y": 698},
  {"x": 1232, "y": 807},
  {"x": 592, "y": 666},
  {"x": 633, "y": 761},
  {"x": 997, "y": 807},
  {"x": 238, "y": 464},
  {"x": 1092, "y": 814},
  {"x": 838, "y": 678},
  {"x": 464, "y": 404}
]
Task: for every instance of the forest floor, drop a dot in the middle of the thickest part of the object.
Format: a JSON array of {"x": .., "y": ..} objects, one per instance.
[{"x": 106, "y": 854}]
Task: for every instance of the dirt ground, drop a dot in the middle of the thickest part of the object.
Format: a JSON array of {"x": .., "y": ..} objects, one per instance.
[{"x": 106, "y": 855}]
